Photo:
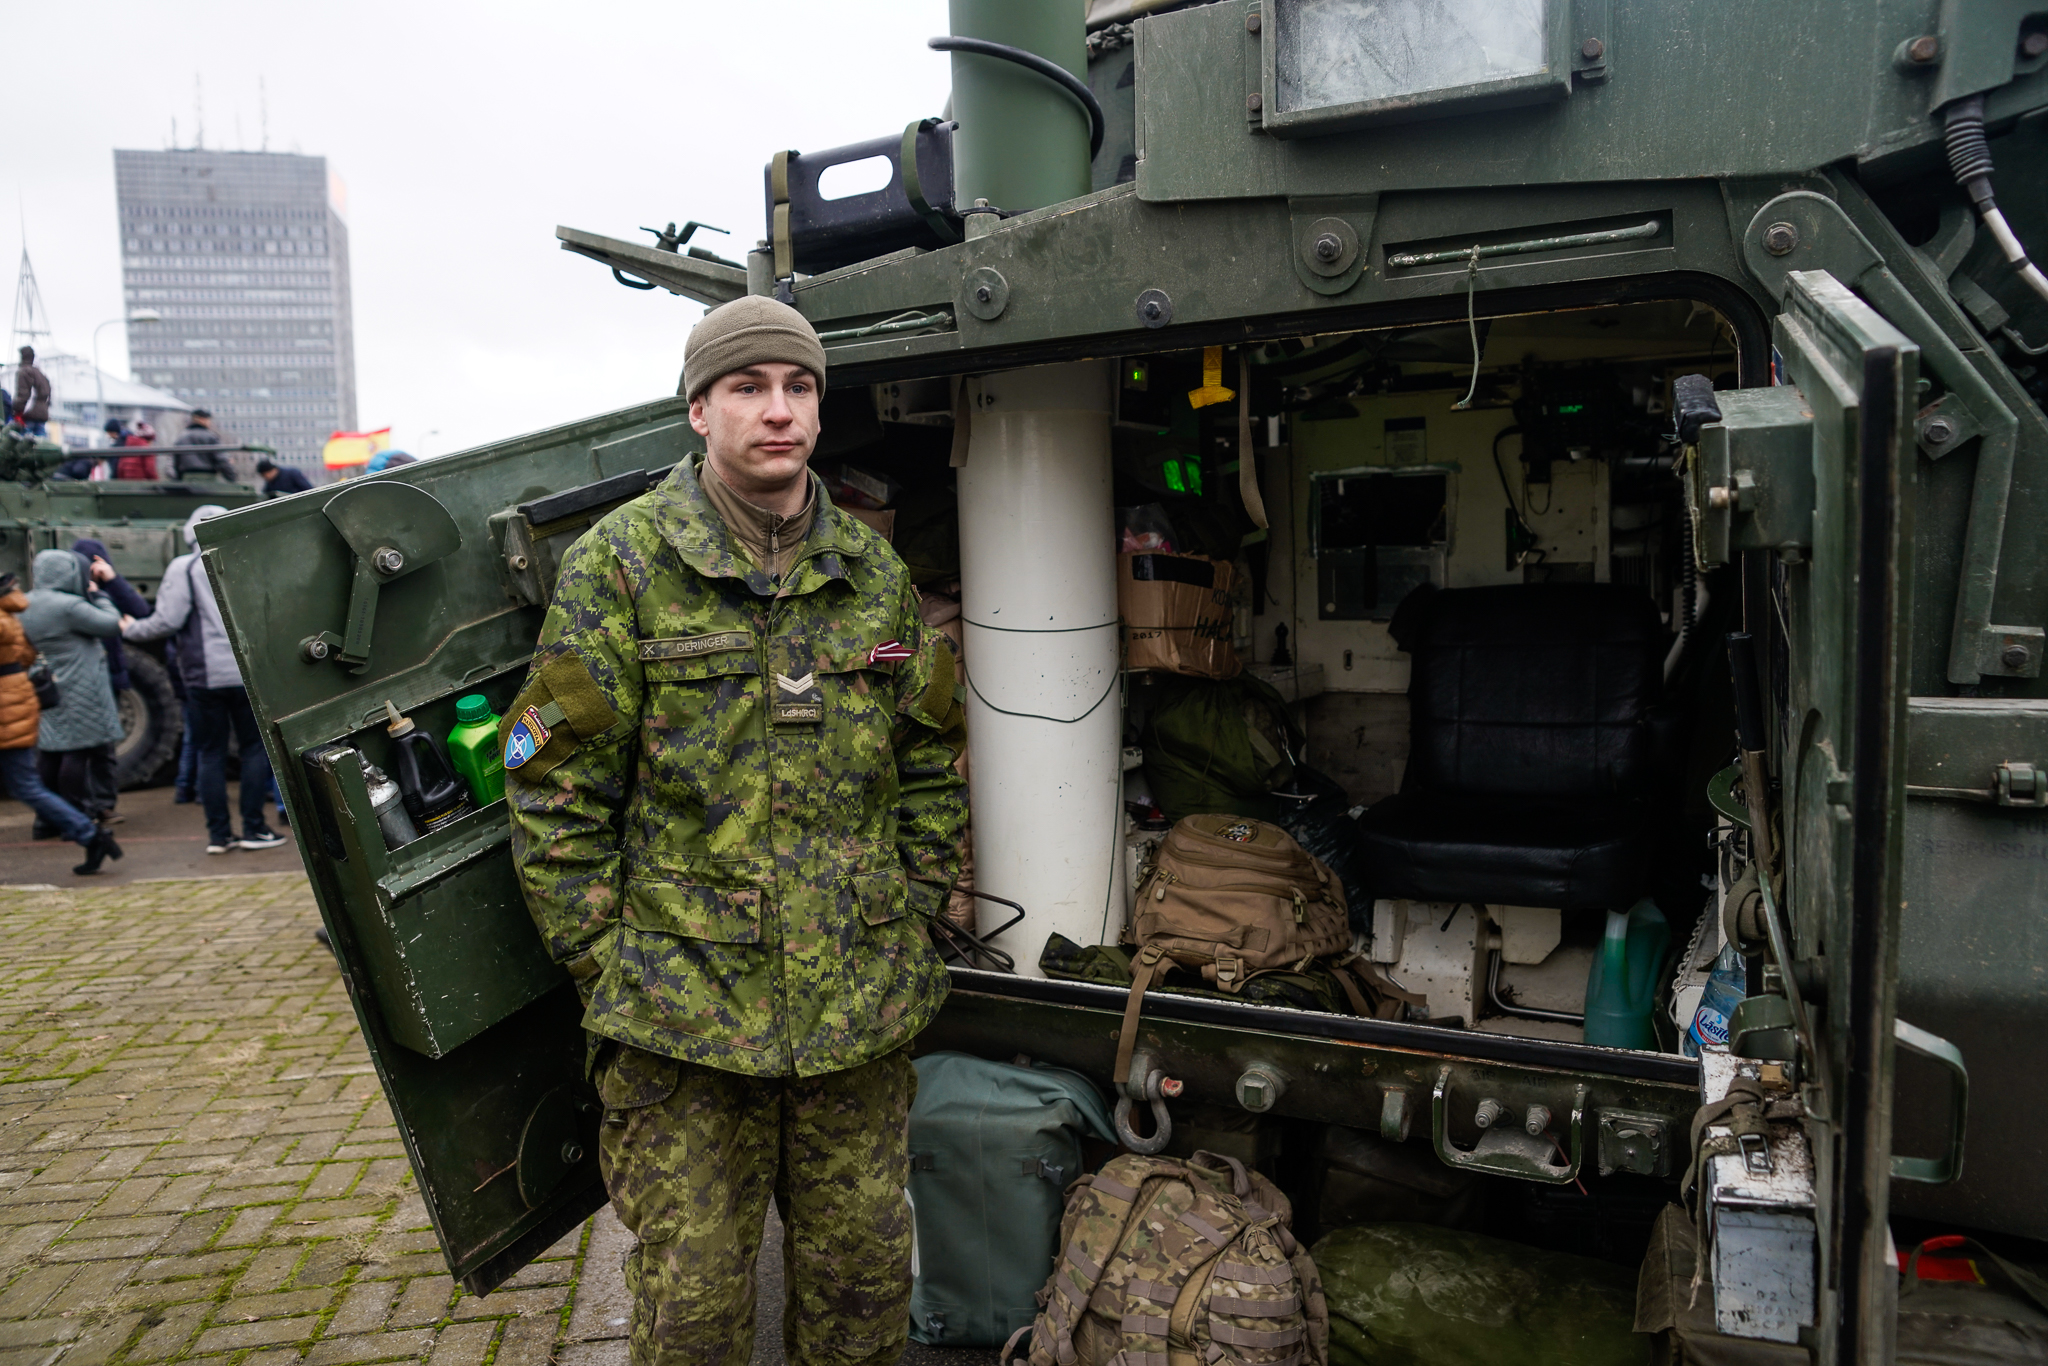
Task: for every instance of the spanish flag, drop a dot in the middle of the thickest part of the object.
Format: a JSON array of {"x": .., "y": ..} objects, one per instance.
[{"x": 346, "y": 449}]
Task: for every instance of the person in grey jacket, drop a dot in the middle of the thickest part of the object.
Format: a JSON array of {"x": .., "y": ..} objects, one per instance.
[
  {"x": 202, "y": 436},
  {"x": 185, "y": 607},
  {"x": 66, "y": 620}
]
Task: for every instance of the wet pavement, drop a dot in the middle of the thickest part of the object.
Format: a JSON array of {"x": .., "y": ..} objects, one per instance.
[{"x": 196, "y": 1163}]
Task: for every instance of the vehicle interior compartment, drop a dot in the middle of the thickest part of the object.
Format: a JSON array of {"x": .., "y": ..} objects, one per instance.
[
  {"x": 1472, "y": 639},
  {"x": 1468, "y": 656}
]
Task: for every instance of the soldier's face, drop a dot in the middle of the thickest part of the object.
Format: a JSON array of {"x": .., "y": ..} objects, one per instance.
[{"x": 760, "y": 425}]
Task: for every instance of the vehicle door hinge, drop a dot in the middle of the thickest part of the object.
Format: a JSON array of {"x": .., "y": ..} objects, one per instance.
[{"x": 2021, "y": 784}]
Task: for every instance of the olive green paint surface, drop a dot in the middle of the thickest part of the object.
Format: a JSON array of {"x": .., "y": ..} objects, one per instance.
[{"x": 475, "y": 1032}]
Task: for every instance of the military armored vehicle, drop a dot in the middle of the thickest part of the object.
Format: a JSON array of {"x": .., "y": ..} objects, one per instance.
[
  {"x": 142, "y": 523},
  {"x": 1369, "y": 298}
]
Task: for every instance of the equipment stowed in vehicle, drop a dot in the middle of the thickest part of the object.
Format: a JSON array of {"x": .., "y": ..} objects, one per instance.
[
  {"x": 434, "y": 796},
  {"x": 993, "y": 1147},
  {"x": 1234, "y": 898},
  {"x": 1166, "y": 1260}
]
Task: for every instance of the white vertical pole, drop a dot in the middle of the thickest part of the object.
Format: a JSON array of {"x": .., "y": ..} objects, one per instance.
[{"x": 1044, "y": 705}]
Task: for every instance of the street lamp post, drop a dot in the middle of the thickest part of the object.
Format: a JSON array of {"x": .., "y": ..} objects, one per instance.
[{"x": 99, "y": 383}]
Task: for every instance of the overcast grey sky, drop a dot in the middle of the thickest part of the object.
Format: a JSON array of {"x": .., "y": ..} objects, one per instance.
[{"x": 465, "y": 133}]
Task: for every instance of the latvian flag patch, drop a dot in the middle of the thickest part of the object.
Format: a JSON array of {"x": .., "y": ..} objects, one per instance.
[{"x": 889, "y": 652}]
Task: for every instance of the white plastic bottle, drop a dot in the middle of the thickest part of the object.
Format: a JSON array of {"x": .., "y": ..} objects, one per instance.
[{"x": 1725, "y": 989}]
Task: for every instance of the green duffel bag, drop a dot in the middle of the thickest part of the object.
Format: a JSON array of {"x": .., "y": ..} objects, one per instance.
[
  {"x": 993, "y": 1148},
  {"x": 1220, "y": 748},
  {"x": 1418, "y": 1295}
]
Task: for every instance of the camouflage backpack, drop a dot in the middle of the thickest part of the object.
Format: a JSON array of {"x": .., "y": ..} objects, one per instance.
[{"x": 1170, "y": 1263}]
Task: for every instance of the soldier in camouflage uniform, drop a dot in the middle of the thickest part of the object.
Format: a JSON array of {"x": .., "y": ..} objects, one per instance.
[{"x": 734, "y": 804}]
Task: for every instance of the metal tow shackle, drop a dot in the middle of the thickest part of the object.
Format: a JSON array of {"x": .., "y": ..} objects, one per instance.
[{"x": 1146, "y": 1082}]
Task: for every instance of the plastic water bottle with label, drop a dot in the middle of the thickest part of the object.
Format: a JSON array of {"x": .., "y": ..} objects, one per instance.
[{"x": 1725, "y": 989}]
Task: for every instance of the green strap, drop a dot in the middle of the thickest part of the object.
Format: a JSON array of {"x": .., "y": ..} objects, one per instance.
[{"x": 1742, "y": 1110}]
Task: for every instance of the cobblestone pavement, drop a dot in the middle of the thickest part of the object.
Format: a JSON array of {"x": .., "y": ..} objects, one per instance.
[{"x": 196, "y": 1163}]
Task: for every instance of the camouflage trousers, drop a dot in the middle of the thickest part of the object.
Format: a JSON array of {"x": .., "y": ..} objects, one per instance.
[{"x": 691, "y": 1155}]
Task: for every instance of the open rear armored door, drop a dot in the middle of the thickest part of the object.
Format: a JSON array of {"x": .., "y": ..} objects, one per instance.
[
  {"x": 1820, "y": 470},
  {"x": 415, "y": 588}
]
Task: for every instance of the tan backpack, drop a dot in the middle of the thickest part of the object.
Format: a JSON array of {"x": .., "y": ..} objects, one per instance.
[
  {"x": 1236, "y": 897},
  {"x": 1170, "y": 1263}
]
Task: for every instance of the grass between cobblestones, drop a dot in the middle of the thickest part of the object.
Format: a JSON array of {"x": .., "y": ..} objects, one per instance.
[{"x": 196, "y": 1163}]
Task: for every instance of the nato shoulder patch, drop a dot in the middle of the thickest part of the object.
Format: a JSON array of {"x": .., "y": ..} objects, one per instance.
[{"x": 529, "y": 733}]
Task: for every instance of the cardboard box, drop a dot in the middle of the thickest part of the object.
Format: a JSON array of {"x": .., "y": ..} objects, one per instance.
[{"x": 1176, "y": 612}]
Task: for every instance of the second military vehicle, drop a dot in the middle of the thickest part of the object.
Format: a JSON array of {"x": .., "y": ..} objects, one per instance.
[{"x": 142, "y": 523}]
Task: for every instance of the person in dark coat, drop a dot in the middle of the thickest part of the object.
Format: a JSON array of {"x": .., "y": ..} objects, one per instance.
[
  {"x": 279, "y": 480},
  {"x": 31, "y": 395},
  {"x": 100, "y": 569},
  {"x": 200, "y": 434}
]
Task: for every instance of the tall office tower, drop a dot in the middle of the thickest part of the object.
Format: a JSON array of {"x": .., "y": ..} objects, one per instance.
[{"x": 245, "y": 255}]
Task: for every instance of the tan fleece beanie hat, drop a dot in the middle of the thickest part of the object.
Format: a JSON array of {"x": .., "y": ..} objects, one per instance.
[{"x": 749, "y": 331}]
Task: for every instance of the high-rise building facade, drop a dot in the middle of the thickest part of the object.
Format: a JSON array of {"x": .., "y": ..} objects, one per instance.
[{"x": 245, "y": 256}]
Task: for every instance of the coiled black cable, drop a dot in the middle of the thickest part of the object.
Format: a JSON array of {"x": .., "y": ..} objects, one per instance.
[{"x": 1098, "y": 126}]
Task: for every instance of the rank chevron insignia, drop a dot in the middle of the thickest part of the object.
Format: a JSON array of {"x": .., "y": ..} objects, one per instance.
[
  {"x": 889, "y": 652},
  {"x": 794, "y": 686}
]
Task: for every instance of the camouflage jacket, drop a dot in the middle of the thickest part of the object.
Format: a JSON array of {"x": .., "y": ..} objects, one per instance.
[{"x": 743, "y": 803}]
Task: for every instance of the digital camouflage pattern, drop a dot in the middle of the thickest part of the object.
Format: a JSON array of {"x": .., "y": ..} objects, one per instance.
[
  {"x": 691, "y": 1156},
  {"x": 1164, "y": 1262},
  {"x": 745, "y": 809}
]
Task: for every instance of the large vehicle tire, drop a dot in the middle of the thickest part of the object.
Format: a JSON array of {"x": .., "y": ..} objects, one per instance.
[{"x": 152, "y": 723}]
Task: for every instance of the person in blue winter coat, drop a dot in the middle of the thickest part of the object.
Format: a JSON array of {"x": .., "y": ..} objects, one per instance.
[{"x": 185, "y": 607}]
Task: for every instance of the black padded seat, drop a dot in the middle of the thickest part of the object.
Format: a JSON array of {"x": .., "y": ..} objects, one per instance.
[
  {"x": 1507, "y": 852},
  {"x": 1534, "y": 749}
]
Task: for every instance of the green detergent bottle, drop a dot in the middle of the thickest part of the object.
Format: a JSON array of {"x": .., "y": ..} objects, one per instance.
[
  {"x": 1621, "y": 990},
  {"x": 473, "y": 749}
]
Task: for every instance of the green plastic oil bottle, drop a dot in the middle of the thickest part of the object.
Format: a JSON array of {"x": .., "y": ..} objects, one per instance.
[
  {"x": 1621, "y": 990},
  {"x": 473, "y": 749}
]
